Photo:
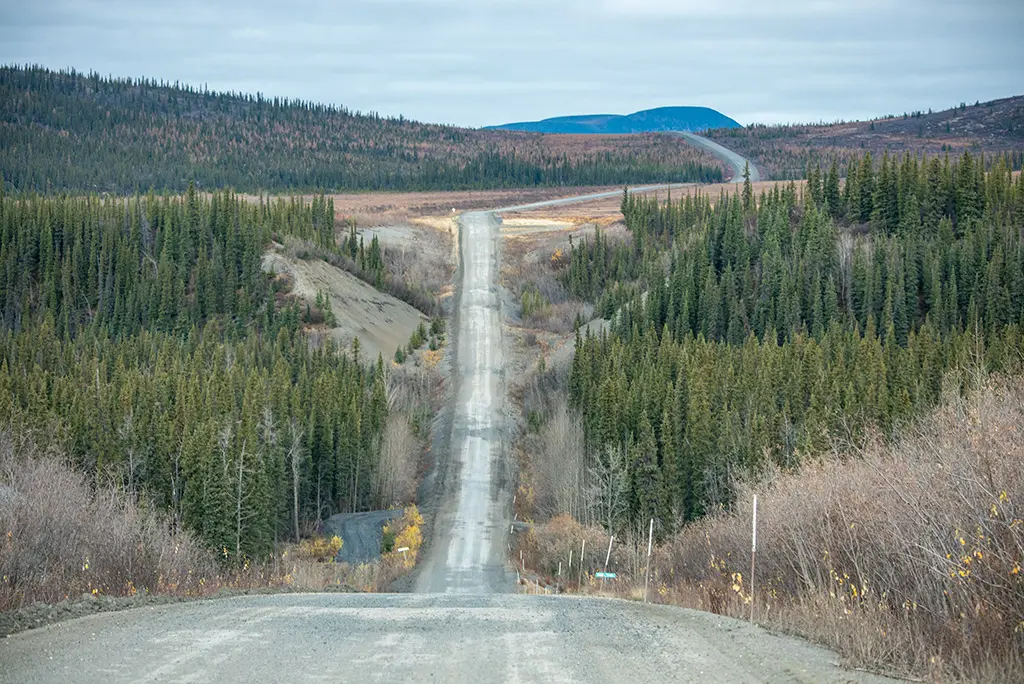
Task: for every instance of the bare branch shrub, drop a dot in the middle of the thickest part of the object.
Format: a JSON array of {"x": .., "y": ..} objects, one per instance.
[
  {"x": 428, "y": 266},
  {"x": 560, "y": 318},
  {"x": 545, "y": 546},
  {"x": 395, "y": 478},
  {"x": 560, "y": 465},
  {"x": 61, "y": 539}
]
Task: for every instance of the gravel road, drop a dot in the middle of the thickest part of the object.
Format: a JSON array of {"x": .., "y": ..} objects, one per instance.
[
  {"x": 468, "y": 551},
  {"x": 408, "y": 637},
  {"x": 734, "y": 160}
]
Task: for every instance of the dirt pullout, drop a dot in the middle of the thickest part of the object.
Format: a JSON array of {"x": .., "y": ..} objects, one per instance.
[
  {"x": 361, "y": 534},
  {"x": 402, "y": 638},
  {"x": 381, "y": 322}
]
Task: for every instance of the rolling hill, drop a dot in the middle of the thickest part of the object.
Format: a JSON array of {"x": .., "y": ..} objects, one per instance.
[
  {"x": 82, "y": 132},
  {"x": 783, "y": 152},
  {"x": 647, "y": 121}
]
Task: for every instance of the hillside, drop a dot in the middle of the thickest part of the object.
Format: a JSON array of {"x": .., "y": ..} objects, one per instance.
[
  {"x": 72, "y": 131},
  {"x": 647, "y": 121},
  {"x": 783, "y": 151}
]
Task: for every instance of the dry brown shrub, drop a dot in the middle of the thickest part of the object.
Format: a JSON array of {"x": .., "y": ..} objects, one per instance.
[
  {"x": 560, "y": 318},
  {"x": 426, "y": 265},
  {"x": 545, "y": 546},
  {"x": 61, "y": 538},
  {"x": 907, "y": 555}
]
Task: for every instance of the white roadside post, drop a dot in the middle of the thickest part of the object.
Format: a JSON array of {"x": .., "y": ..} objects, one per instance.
[
  {"x": 558, "y": 583},
  {"x": 607, "y": 558},
  {"x": 647, "y": 572},
  {"x": 404, "y": 551},
  {"x": 753, "y": 556},
  {"x": 583, "y": 550}
]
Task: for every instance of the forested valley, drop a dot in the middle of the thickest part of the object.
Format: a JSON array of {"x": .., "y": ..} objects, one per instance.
[
  {"x": 83, "y": 132},
  {"x": 751, "y": 333}
]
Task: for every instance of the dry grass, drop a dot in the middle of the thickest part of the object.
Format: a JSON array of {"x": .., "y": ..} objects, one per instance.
[{"x": 397, "y": 206}]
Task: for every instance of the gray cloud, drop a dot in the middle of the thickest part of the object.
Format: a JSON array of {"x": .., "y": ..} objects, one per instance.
[{"x": 477, "y": 62}]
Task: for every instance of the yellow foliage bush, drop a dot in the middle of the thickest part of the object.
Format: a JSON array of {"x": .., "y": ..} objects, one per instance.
[
  {"x": 408, "y": 531},
  {"x": 320, "y": 549}
]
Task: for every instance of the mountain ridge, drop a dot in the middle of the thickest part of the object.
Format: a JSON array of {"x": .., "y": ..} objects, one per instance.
[{"x": 682, "y": 118}]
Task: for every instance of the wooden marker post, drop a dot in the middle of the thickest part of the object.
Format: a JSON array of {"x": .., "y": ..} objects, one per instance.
[{"x": 753, "y": 556}]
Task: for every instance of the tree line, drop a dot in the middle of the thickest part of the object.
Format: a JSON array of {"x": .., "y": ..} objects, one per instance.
[
  {"x": 749, "y": 332},
  {"x": 85, "y": 133}
]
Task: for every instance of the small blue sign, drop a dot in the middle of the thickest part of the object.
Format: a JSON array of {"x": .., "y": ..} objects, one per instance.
[{"x": 605, "y": 575}]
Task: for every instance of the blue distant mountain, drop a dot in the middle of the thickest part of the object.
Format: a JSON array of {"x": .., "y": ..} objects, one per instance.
[{"x": 647, "y": 121}]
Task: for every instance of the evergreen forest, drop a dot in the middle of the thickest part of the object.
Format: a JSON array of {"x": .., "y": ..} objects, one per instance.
[
  {"x": 787, "y": 151},
  {"x": 749, "y": 333},
  {"x": 141, "y": 337}
]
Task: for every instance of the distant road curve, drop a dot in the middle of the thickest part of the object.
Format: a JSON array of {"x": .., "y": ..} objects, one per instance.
[{"x": 733, "y": 160}]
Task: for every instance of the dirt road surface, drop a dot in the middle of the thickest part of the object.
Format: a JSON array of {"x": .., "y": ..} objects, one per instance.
[{"x": 410, "y": 638}]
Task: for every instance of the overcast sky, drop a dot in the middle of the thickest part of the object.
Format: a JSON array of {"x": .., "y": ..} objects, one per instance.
[{"x": 479, "y": 62}]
